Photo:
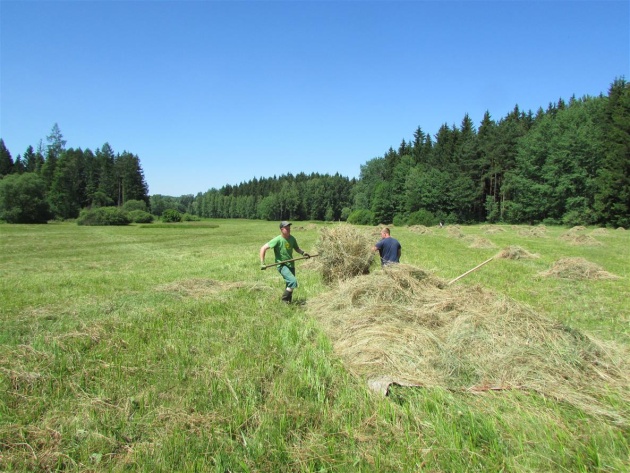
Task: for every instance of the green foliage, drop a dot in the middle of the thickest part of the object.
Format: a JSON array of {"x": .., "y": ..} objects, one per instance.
[
  {"x": 171, "y": 216},
  {"x": 140, "y": 216},
  {"x": 134, "y": 205},
  {"x": 103, "y": 216},
  {"x": 345, "y": 213},
  {"x": 422, "y": 217},
  {"x": 361, "y": 217},
  {"x": 190, "y": 218},
  {"x": 22, "y": 199}
]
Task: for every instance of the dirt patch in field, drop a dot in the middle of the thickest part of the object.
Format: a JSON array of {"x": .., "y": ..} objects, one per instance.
[
  {"x": 199, "y": 287},
  {"x": 403, "y": 325},
  {"x": 577, "y": 268},
  {"x": 516, "y": 252}
]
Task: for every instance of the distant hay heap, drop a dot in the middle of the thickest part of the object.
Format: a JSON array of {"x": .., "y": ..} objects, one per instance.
[
  {"x": 454, "y": 231},
  {"x": 577, "y": 268},
  {"x": 516, "y": 252},
  {"x": 405, "y": 326},
  {"x": 576, "y": 239},
  {"x": 479, "y": 242},
  {"x": 539, "y": 231},
  {"x": 344, "y": 252},
  {"x": 599, "y": 232},
  {"x": 494, "y": 229},
  {"x": 421, "y": 229}
]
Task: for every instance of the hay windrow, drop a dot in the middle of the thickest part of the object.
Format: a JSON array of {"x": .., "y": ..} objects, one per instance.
[
  {"x": 516, "y": 252},
  {"x": 494, "y": 229},
  {"x": 344, "y": 252},
  {"x": 577, "y": 268},
  {"x": 405, "y": 325}
]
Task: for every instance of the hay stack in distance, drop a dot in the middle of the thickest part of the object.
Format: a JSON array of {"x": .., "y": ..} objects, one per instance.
[
  {"x": 577, "y": 268},
  {"x": 345, "y": 251},
  {"x": 516, "y": 252}
]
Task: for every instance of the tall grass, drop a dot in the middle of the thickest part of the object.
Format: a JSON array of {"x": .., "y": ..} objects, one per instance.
[{"x": 167, "y": 349}]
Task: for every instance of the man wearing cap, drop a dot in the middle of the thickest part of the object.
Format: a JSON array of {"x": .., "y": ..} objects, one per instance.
[{"x": 283, "y": 246}]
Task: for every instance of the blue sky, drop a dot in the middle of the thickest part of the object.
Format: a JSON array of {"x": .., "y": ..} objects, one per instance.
[{"x": 209, "y": 93}]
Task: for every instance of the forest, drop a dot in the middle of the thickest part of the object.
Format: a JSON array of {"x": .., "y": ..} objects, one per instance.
[{"x": 566, "y": 164}]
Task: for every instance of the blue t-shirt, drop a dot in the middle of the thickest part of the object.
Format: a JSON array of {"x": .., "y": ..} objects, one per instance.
[{"x": 388, "y": 249}]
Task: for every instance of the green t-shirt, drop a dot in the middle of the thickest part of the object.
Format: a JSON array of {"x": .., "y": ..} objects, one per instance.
[{"x": 283, "y": 249}]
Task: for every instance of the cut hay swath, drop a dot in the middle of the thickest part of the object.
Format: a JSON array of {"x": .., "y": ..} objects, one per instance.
[
  {"x": 516, "y": 252},
  {"x": 405, "y": 326}
]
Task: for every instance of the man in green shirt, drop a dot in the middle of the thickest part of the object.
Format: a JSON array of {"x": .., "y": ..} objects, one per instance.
[{"x": 283, "y": 246}]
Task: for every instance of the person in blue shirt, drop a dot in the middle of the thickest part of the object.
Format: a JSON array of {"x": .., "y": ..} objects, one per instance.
[{"x": 388, "y": 247}]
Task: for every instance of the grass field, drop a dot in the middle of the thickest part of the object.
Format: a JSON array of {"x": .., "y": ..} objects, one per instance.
[{"x": 166, "y": 348}]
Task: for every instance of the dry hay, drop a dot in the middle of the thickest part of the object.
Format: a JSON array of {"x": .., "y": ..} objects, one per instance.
[
  {"x": 421, "y": 229},
  {"x": 494, "y": 229},
  {"x": 480, "y": 242},
  {"x": 403, "y": 325},
  {"x": 621, "y": 229},
  {"x": 344, "y": 252},
  {"x": 516, "y": 252},
  {"x": 580, "y": 240},
  {"x": 577, "y": 268},
  {"x": 198, "y": 287},
  {"x": 537, "y": 232},
  {"x": 454, "y": 232},
  {"x": 599, "y": 232}
]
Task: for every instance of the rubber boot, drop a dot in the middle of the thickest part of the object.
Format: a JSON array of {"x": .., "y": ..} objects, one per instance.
[{"x": 286, "y": 296}]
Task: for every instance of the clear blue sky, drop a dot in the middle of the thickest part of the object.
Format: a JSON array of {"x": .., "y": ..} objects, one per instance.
[{"x": 209, "y": 93}]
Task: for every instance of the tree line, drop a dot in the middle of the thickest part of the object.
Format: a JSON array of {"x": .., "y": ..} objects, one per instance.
[
  {"x": 566, "y": 164},
  {"x": 55, "y": 182}
]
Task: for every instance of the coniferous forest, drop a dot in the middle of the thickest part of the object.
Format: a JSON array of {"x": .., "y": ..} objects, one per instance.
[{"x": 568, "y": 163}]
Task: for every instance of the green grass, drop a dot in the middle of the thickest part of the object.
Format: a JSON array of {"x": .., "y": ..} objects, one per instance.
[{"x": 158, "y": 348}]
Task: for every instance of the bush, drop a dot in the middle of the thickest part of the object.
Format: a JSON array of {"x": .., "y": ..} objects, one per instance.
[
  {"x": 361, "y": 217},
  {"x": 140, "y": 216},
  {"x": 190, "y": 218},
  {"x": 103, "y": 216},
  {"x": 171, "y": 216},
  {"x": 422, "y": 217},
  {"x": 399, "y": 220},
  {"x": 22, "y": 199},
  {"x": 132, "y": 205}
]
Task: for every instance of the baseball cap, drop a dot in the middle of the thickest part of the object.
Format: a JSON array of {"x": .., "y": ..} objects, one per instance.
[{"x": 284, "y": 223}]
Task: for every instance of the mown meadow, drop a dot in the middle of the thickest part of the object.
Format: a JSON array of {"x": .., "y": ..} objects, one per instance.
[{"x": 165, "y": 348}]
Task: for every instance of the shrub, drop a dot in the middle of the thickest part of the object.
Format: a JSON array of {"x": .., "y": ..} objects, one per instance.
[
  {"x": 132, "y": 205},
  {"x": 171, "y": 216},
  {"x": 422, "y": 217},
  {"x": 361, "y": 217},
  {"x": 190, "y": 218},
  {"x": 22, "y": 199},
  {"x": 103, "y": 216},
  {"x": 399, "y": 220},
  {"x": 140, "y": 216}
]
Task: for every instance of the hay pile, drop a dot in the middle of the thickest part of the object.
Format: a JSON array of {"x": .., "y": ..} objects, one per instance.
[
  {"x": 578, "y": 269},
  {"x": 494, "y": 229},
  {"x": 454, "y": 232},
  {"x": 421, "y": 229},
  {"x": 403, "y": 325},
  {"x": 344, "y": 252},
  {"x": 599, "y": 232},
  {"x": 479, "y": 242},
  {"x": 577, "y": 239},
  {"x": 516, "y": 252},
  {"x": 538, "y": 232}
]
